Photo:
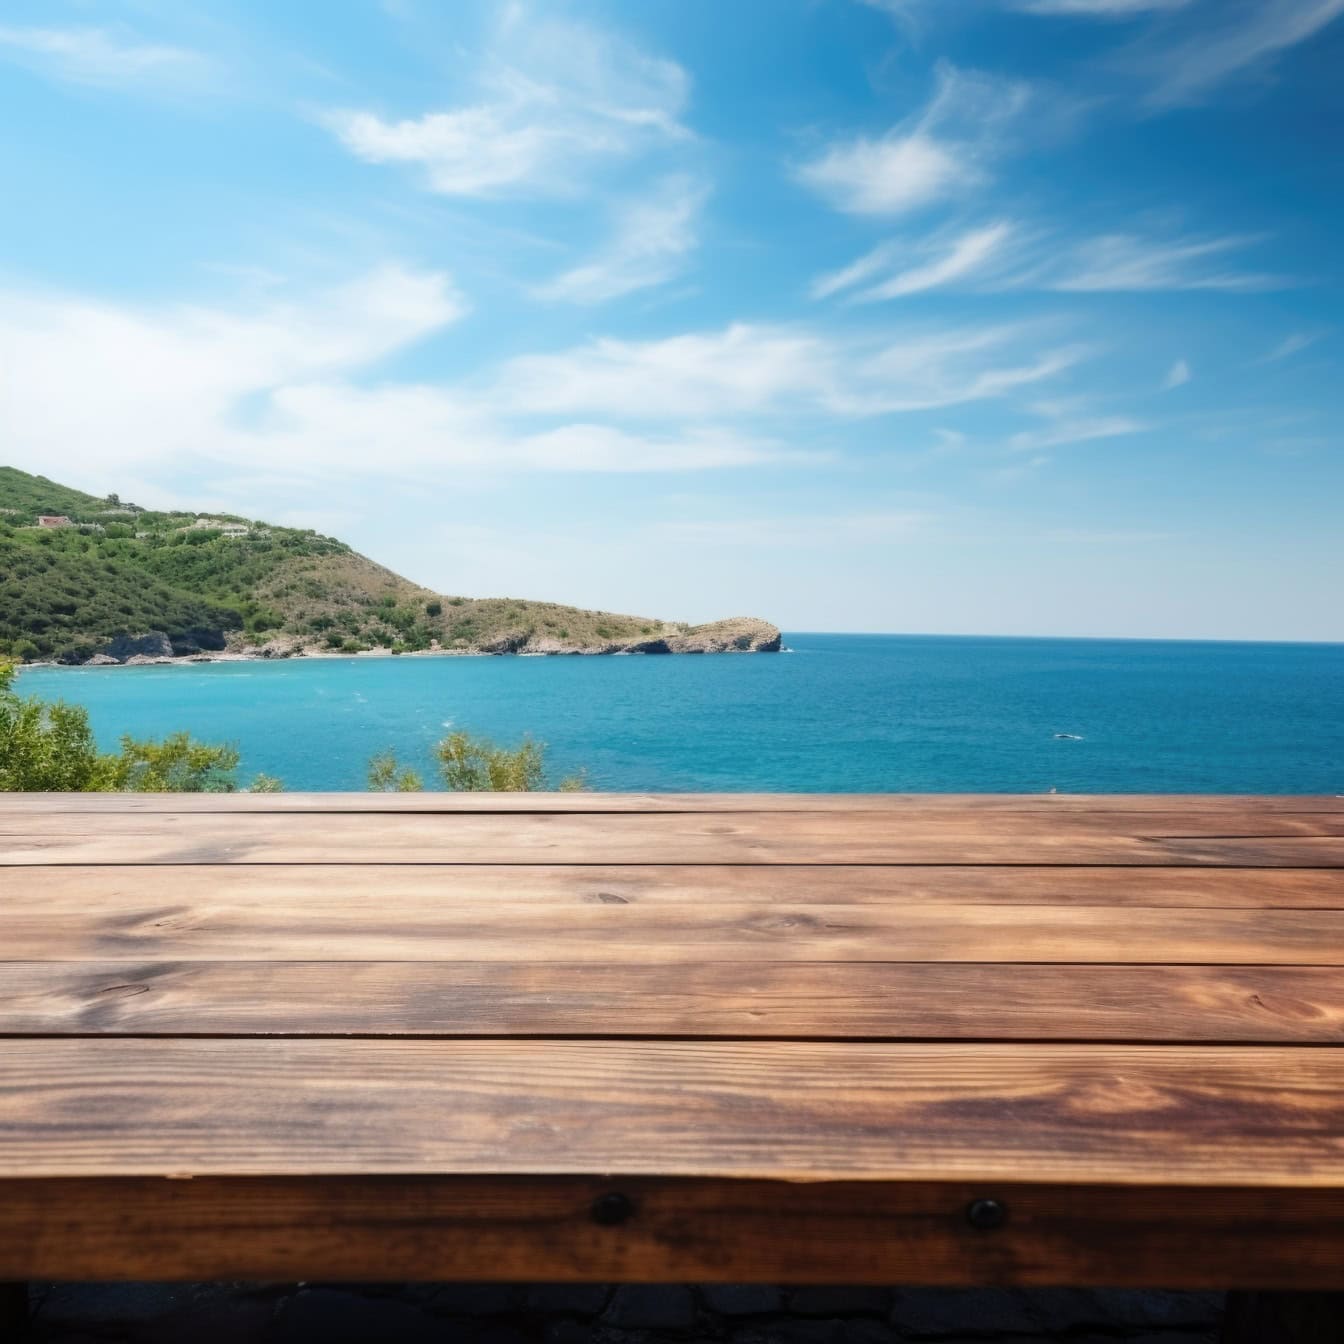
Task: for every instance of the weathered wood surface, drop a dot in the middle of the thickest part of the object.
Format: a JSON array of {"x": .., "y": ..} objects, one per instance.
[
  {"x": 344, "y": 931},
  {"x": 1178, "y": 836},
  {"x": 522, "y": 1229},
  {"x": 417, "y": 1036},
  {"x": 783, "y": 1110},
  {"x": 908, "y": 804},
  {"x": 786, "y": 1000},
  {"x": 434, "y": 887}
]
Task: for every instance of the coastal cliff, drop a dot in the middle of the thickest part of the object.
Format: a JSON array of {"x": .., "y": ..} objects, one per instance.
[{"x": 101, "y": 581}]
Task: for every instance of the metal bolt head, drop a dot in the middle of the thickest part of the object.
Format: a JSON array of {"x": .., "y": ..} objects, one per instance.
[
  {"x": 986, "y": 1214},
  {"x": 612, "y": 1209}
]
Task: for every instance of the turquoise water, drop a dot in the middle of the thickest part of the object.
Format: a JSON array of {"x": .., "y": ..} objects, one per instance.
[{"x": 842, "y": 713}]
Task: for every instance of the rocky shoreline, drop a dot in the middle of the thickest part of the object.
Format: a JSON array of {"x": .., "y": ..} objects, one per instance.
[{"x": 156, "y": 648}]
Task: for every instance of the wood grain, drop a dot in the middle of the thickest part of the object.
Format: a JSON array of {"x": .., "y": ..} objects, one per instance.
[
  {"x": 1180, "y": 838},
  {"x": 838, "y": 1000},
  {"x": 424, "y": 888},
  {"x": 395, "y": 1037},
  {"x": 909, "y": 804},
  {"x": 1184, "y": 1116},
  {"x": 514, "y": 1229},
  {"x": 344, "y": 930}
]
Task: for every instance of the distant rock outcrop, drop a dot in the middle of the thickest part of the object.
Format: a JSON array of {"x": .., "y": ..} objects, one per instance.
[{"x": 152, "y": 644}]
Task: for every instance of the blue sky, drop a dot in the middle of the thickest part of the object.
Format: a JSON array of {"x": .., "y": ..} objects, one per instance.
[{"x": 984, "y": 316}]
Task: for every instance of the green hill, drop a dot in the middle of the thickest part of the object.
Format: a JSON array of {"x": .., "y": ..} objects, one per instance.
[
  {"x": 118, "y": 581},
  {"x": 31, "y": 495}
]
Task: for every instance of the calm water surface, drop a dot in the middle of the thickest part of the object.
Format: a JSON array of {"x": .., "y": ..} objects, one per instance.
[{"x": 842, "y": 713}]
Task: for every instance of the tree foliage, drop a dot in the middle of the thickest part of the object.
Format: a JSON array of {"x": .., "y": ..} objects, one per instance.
[
  {"x": 49, "y": 747},
  {"x": 470, "y": 764},
  {"x": 61, "y": 593},
  {"x": 388, "y": 775}
]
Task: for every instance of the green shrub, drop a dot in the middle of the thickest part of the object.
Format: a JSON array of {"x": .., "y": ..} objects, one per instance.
[
  {"x": 49, "y": 747},
  {"x": 473, "y": 765},
  {"x": 387, "y": 775},
  {"x": 476, "y": 765},
  {"x": 434, "y": 608}
]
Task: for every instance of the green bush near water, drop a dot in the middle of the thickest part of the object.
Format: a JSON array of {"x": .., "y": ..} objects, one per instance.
[
  {"x": 48, "y": 747},
  {"x": 474, "y": 765}
]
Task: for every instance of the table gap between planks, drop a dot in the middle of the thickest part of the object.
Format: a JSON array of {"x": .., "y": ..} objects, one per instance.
[{"x": 894, "y": 1039}]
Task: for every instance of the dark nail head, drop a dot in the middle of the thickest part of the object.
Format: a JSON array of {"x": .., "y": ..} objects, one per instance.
[
  {"x": 986, "y": 1214},
  {"x": 612, "y": 1208}
]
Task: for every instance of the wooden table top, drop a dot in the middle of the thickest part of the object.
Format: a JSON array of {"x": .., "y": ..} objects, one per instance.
[{"x": 929, "y": 1039}]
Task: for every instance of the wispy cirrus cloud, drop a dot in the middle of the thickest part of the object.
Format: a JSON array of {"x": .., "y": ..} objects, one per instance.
[
  {"x": 1190, "y": 47},
  {"x": 1010, "y": 255},
  {"x": 1177, "y": 376},
  {"x": 1131, "y": 262},
  {"x": 1097, "y": 9},
  {"x": 286, "y": 391},
  {"x": 945, "y": 151},
  {"x": 1292, "y": 344},
  {"x": 758, "y": 370},
  {"x": 1223, "y": 40},
  {"x": 968, "y": 254},
  {"x": 100, "y": 57},
  {"x": 554, "y": 98},
  {"x": 1065, "y": 432},
  {"x": 653, "y": 237}
]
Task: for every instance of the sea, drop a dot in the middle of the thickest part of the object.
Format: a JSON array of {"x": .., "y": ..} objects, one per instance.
[{"x": 836, "y": 713}]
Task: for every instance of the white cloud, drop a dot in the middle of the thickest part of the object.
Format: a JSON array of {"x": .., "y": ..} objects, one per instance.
[
  {"x": 1192, "y": 50},
  {"x": 968, "y": 254},
  {"x": 553, "y": 98},
  {"x": 747, "y": 369},
  {"x": 1005, "y": 255},
  {"x": 741, "y": 369},
  {"x": 1244, "y": 35},
  {"x": 942, "y": 153},
  {"x": 1097, "y": 9},
  {"x": 281, "y": 394},
  {"x": 652, "y": 239},
  {"x": 890, "y": 176},
  {"x": 155, "y": 384},
  {"x": 1291, "y": 344},
  {"x": 1177, "y": 376},
  {"x": 881, "y": 258},
  {"x": 1070, "y": 431},
  {"x": 99, "y": 57},
  {"x": 1130, "y": 262},
  {"x": 597, "y": 447}
]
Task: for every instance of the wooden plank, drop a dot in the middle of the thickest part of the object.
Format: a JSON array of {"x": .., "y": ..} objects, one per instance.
[
  {"x": 518, "y": 1229},
  {"x": 345, "y": 930},
  {"x": 1192, "y": 1116},
  {"x": 688, "y": 1000},
  {"x": 423, "y": 888},
  {"x": 757, "y": 838},
  {"x": 910, "y": 803},
  {"x": 848, "y": 827}
]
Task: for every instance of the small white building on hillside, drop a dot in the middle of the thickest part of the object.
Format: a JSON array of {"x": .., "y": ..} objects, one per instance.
[{"x": 229, "y": 529}]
